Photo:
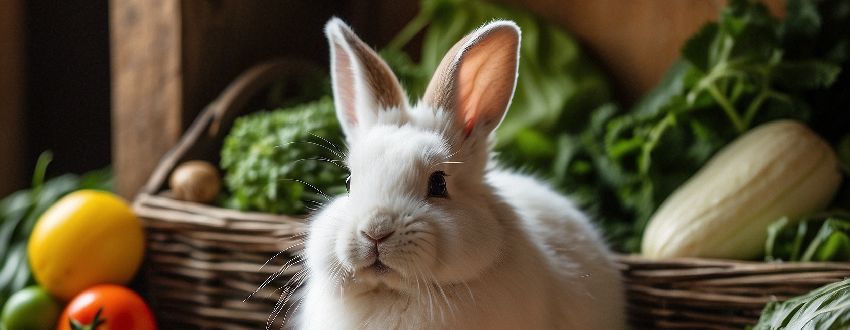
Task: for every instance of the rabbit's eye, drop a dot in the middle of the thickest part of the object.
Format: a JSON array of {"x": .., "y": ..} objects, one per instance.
[
  {"x": 348, "y": 183},
  {"x": 437, "y": 185}
]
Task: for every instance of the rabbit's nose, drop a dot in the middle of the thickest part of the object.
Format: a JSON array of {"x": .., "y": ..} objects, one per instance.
[{"x": 377, "y": 236}]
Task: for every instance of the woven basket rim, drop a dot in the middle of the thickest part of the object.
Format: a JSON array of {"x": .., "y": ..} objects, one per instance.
[
  {"x": 146, "y": 204},
  {"x": 682, "y": 263}
]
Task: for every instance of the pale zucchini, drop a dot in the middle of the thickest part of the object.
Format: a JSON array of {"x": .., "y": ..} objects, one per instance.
[{"x": 776, "y": 170}]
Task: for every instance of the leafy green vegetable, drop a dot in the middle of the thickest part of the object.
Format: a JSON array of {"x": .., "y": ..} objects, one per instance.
[
  {"x": 827, "y": 307},
  {"x": 19, "y": 212},
  {"x": 823, "y": 33},
  {"x": 824, "y": 237},
  {"x": 557, "y": 89},
  {"x": 733, "y": 75},
  {"x": 278, "y": 161}
]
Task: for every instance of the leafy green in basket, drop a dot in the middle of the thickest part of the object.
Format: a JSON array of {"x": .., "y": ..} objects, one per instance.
[
  {"x": 824, "y": 237},
  {"x": 827, "y": 307},
  {"x": 279, "y": 161}
]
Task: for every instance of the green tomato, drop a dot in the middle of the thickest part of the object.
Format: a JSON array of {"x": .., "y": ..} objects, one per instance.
[{"x": 31, "y": 308}]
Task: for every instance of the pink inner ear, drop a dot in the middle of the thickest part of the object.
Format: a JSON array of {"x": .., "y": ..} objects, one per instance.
[
  {"x": 345, "y": 83},
  {"x": 470, "y": 96},
  {"x": 485, "y": 81},
  {"x": 468, "y": 129},
  {"x": 470, "y": 113}
]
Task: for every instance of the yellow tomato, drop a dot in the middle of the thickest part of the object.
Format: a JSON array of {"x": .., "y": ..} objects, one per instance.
[{"x": 86, "y": 238}]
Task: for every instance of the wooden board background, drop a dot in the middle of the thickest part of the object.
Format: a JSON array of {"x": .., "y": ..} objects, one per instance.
[{"x": 11, "y": 95}]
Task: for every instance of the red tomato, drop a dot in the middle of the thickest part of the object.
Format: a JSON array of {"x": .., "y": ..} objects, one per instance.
[{"x": 121, "y": 309}]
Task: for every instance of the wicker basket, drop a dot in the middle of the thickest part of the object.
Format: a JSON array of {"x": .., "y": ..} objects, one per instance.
[
  {"x": 203, "y": 261},
  {"x": 715, "y": 294}
]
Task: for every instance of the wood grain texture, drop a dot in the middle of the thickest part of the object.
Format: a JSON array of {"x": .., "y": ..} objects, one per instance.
[
  {"x": 147, "y": 87},
  {"x": 636, "y": 41},
  {"x": 11, "y": 95}
]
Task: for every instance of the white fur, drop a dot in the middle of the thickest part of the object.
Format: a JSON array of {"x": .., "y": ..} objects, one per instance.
[{"x": 504, "y": 251}]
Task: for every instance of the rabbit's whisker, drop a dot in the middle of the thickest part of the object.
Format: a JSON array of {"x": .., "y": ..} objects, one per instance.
[
  {"x": 283, "y": 324},
  {"x": 281, "y": 300},
  {"x": 339, "y": 151},
  {"x": 275, "y": 275},
  {"x": 290, "y": 291},
  {"x": 327, "y": 160},
  {"x": 282, "y": 251},
  {"x": 300, "y": 283},
  {"x": 328, "y": 198},
  {"x": 334, "y": 152}
]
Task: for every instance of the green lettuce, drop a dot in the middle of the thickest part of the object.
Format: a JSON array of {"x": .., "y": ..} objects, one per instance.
[{"x": 827, "y": 307}]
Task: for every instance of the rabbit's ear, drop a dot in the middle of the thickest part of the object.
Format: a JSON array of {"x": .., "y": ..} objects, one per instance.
[
  {"x": 363, "y": 83},
  {"x": 476, "y": 79}
]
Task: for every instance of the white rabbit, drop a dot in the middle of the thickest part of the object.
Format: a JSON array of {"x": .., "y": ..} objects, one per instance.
[{"x": 430, "y": 235}]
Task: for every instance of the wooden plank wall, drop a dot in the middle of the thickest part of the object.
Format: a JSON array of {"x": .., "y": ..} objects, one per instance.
[
  {"x": 147, "y": 90},
  {"x": 11, "y": 95}
]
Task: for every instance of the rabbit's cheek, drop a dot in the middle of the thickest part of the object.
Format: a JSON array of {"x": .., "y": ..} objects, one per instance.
[{"x": 345, "y": 248}]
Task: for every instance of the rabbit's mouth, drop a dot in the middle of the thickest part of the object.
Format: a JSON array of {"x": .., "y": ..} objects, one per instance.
[
  {"x": 378, "y": 271},
  {"x": 375, "y": 276},
  {"x": 380, "y": 268}
]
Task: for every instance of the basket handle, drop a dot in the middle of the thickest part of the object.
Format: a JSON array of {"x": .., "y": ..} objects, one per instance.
[
  {"x": 222, "y": 111},
  {"x": 234, "y": 98}
]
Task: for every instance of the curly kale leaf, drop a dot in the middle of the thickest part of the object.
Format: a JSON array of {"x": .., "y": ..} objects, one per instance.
[{"x": 281, "y": 161}]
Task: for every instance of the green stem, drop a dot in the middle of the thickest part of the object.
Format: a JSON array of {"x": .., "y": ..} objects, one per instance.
[
  {"x": 654, "y": 137},
  {"x": 95, "y": 323},
  {"x": 410, "y": 30},
  {"x": 765, "y": 71},
  {"x": 728, "y": 108},
  {"x": 40, "y": 172},
  {"x": 752, "y": 110}
]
